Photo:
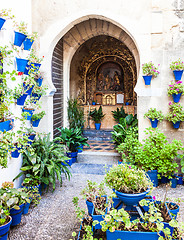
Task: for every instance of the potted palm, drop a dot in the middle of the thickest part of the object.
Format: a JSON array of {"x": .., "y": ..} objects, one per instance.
[
  {"x": 154, "y": 116},
  {"x": 175, "y": 90},
  {"x": 176, "y": 114},
  {"x": 149, "y": 70},
  {"x": 177, "y": 68},
  {"x": 97, "y": 116}
]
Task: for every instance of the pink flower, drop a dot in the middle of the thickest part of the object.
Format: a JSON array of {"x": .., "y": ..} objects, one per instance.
[
  {"x": 129, "y": 167},
  {"x": 170, "y": 103},
  {"x": 175, "y": 115},
  {"x": 178, "y": 82},
  {"x": 177, "y": 89},
  {"x": 154, "y": 198},
  {"x": 158, "y": 64}
]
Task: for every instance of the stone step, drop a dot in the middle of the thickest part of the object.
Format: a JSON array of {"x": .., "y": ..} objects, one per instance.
[
  {"x": 98, "y": 157},
  {"x": 98, "y": 135},
  {"x": 86, "y": 168}
]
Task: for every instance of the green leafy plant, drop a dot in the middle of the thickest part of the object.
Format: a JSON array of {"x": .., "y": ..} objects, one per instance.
[
  {"x": 126, "y": 179},
  {"x": 177, "y": 65},
  {"x": 97, "y": 115},
  {"x": 19, "y": 91},
  {"x": 32, "y": 36},
  {"x": 33, "y": 57},
  {"x": 176, "y": 112},
  {"x": 21, "y": 27},
  {"x": 6, "y": 14},
  {"x": 4, "y": 216},
  {"x": 150, "y": 69},
  {"x": 175, "y": 88},
  {"x": 154, "y": 114},
  {"x": 75, "y": 114},
  {"x": 119, "y": 113},
  {"x": 45, "y": 163},
  {"x": 37, "y": 116},
  {"x": 5, "y": 146},
  {"x": 72, "y": 138}
]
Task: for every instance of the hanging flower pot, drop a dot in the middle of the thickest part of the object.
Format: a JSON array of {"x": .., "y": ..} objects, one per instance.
[
  {"x": 178, "y": 74},
  {"x": 36, "y": 97},
  {"x": 28, "y": 88},
  {"x": 147, "y": 79},
  {"x": 33, "y": 67},
  {"x": 15, "y": 153},
  {"x": 154, "y": 123},
  {"x": 31, "y": 137},
  {"x": 4, "y": 229},
  {"x": 97, "y": 126},
  {"x": 16, "y": 215},
  {"x": 21, "y": 99},
  {"x": 5, "y": 126},
  {"x": 176, "y": 125},
  {"x": 39, "y": 81},
  {"x": 176, "y": 97},
  {"x": 29, "y": 113},
  {"x": 28, "y": 43},
  {"x": 19, "y": 38},
  {"x": 21, "y": 64},
  {"x": 35, "y": 123},
  {"x": 2, "y": 21}
]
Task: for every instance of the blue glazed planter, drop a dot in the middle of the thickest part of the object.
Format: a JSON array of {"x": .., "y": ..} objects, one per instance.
[
  {"x": 28, "y": 43},
  {"x": 98, "y": 217},
  {"x": 131, "y": 199},
  {"x": 90, "y": 207},
  {"x": 116, "y": 203},
  {"x": 4, "y": 229},
  {"x": 2, "y": 21},
  {"x": 178, "y": 74},
  {"x": 97, "y": 126},
  {"x": 180, "y": 179},
  {"x": 147, "y": 79},
  {"x": 39, "y": 81},
  {"x": 93, "y": 103},
  {"x": 26, "y": 208},
  {"x": 21, "y": 100},
  {"x": 176, "y": 97},
  {"x": 33, "y": 67},
  {"x": 29, "y": 113},
  {"x": 19, "y": 38},
  {"x": 28, "y": 89},
  {"x": 16, "y": 215},
  {"x": 36, "y": 97},
  {"x": 31, "y": 137},
  {"x": 154, "y": 123},
  {"x": 21, "y": 64},
  {"x": 15, "y": 153},
  {"x": 174, "y": 182},
  {"x": 79, "y": 237},
  {"x": 69, "y": 162},
  {"x": 164, "y": 179},
  {"x": 35, "y": 123},
  {"x": 131, "y": 235},
  {"x": 153, "y": 175},
  {"x": 174, "y": 212},
  {"x": 80, "y": 149},
  {"x": 73, "y": 156},
  {"x": 5, "y": 126},
  {"x": 176, "y": 125}
]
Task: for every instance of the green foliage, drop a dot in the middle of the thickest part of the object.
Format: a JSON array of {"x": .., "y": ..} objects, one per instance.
[
  {"x": 72, "y": 138},
  {"x": 45, "y": 163},
  {"x": 75, "y": 114},
  {"x": 3, "y": 216},
  {"x": 21, "y": 27},
  {"x": 154, "y": 114},
  {"x": 5, "y": 145},
  {"x": 19, "y": 91},
  {"x": 4, "y": 112},
  {"x": 6, "y": 14},
  {"x": 122, "y": 129},
  {"x": 117, "y": 114},
  {"x": 37, "y": 116},
  {"x": 177, "y": 65},
  {"x": 97, "y": 115},
  {"x": 126, "y": 179},
  {"x": 176, "y": 112},
  {"x": 33, "y": 57},
  {"x": 150, "y": 69},
  {"x": 175, "y": 88},
  {"x": 33, "y": 194}
]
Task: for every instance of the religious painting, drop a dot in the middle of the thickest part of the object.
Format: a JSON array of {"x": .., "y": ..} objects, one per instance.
[{"x": 109, "y": 77}]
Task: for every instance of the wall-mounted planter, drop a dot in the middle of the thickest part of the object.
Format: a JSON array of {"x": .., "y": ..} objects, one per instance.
[
  {"x": 35, "y": 123},
  {"x": 21, "y": 64},
  {"x": 36, "y": 97},
  {"x": 21, "y": 100},
  {"x": 176, "y": 125},
  {"x": 15, "y": 153},
  {"x": 19, "y": 38},
  {"x": 176, "y": 97},
  {"x": 28, "y": 89},
  {"x": 33, "y": 67},
  {"x": 31, "y": 137},
  {"x": 147, "y": 79},
  {"x": 29, "y": 113},
  {"x": 154, "y": 123},
  {"x": 39, "y": 81},
  {"x": 2, "y": 21},
  {"x": 5, "y": 126},
  {"x": 28, "y": 43},
  {"x": 178, "y": 74}
]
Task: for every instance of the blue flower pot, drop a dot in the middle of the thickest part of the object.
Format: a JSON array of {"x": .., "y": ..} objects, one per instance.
[
  {"x": 131, "y": 199},
  {"x": 21, "y": 64},
  {"x": 16, "y": 215},
  {"x": 178, "y": 74},
  {"x": 19, "y": 38},
  {"x": 80, "y": 149},
  {"x": 164, "y": 179},
  {"x": 73, "y": 156},
  {"x": 4, "y": 229},
  {"x": 180, "y": 179},
  {"x": 154, "y": 123},
  {"x": 68, "y": 162},
  {"x": 15, "y": 153},
  {"x": 33, "y": 67},
  {"x": 36, "y": 97},
  {"x": 90, "y": 207},
  {"x": 29, "y": 113},
  {"x": 174, "y": 182},
  {"x": 147, "y": 79},
  {"x": 35, "y": 123},
  {"x": 174, "y": 212},
  {"x": 93, "y": 103},
  {"x": 128, "y": 235},
  {"x": 39, "y": 81},
  {"x": 26, "y": 208},
  {"x": 97, "y": 126},
  {"x": 28, "y": 43},
  {"x": 21, "y": 100},
  {"x": 31, "y": 137},
  {"x": 28, "y": 89},
  {"x": 116, "y": 203},
  {"x": 176, "y": 125},
  {"x": 153, "y": 175},
  {"x": 5, "y": 126},
  {"x": 176, "y": 97},
  {"x": 2, "y": 21}
]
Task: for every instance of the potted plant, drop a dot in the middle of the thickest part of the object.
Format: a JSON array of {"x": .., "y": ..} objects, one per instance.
[
  {"x": 75, "y": 114},
  {"x": 35, "y": 119},
  {"x": 5, "y": 222},
  {"x": 28, "y": 42},
  {"x": 20, "y": 33},
  {"x": 4, "y": 15},
  {"x": 34, "y": 63},
  {"x": 5, "y": 119},
  {"x": 154, "y": 116},
  {"x": 38, "y": 77},
  {"x": 37, "y": 93},
  {"x": 149, "y": 70},
  {"x": 177, "y": 68},
  {"x": 5, "y": 146},
  {"x": 20, "y": 95},
  {"x": 97, "y": 116},
  {"x": 119, "y": 113},
  {"x": 176, "y": 114},
  {"x": 175, "y": 90},
  {"x": 130, "y": 184}
]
